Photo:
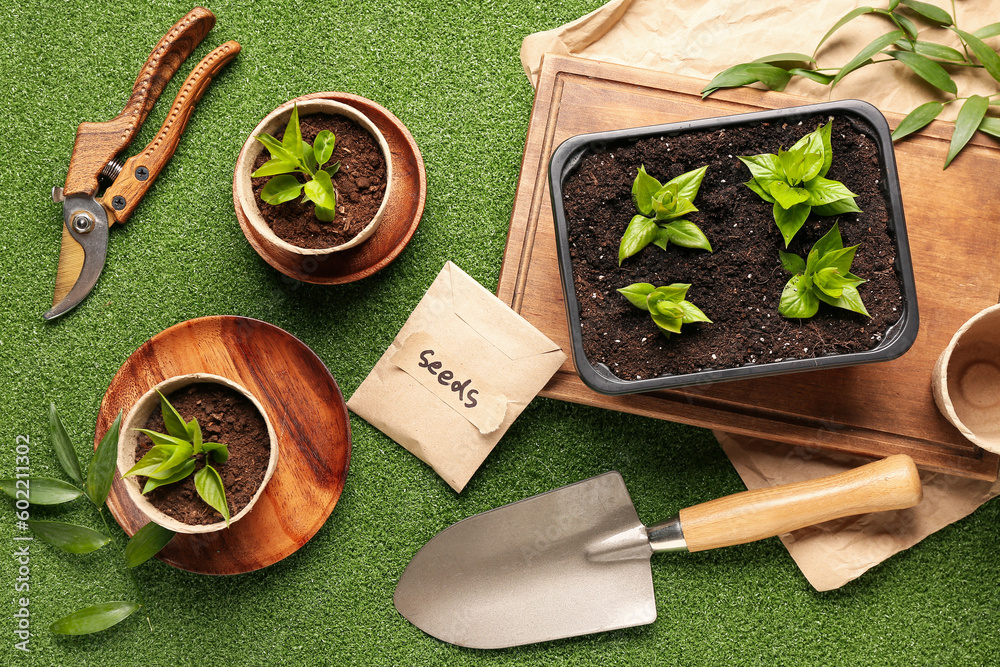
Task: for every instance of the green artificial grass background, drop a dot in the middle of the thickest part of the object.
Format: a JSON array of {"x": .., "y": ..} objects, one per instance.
[{"x": 450, "y": 71}]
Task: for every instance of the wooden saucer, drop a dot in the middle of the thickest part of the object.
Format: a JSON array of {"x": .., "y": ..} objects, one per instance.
[
  {"x": 402, "y": 215},
  {"x": 304, "y": 404}
]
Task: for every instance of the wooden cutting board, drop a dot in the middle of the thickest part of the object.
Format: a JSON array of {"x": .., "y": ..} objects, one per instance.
[{"x": 953, "y": 221}]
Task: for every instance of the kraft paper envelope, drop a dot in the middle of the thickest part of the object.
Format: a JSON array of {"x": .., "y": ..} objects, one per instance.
[{"x": 459, "y": 372}]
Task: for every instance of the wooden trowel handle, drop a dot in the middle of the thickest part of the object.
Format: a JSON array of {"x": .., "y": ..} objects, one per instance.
[{"x": 892, "y": 483}]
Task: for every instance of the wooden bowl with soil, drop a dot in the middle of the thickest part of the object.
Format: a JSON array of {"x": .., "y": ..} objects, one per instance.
[
  {"x": 362, "y": 183},
  {"x": 617, "y": 349},
  {"x": 227, "y": 413}
]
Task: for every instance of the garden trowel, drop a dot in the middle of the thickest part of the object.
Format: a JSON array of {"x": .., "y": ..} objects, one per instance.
[{"x": 576, "y": 560}]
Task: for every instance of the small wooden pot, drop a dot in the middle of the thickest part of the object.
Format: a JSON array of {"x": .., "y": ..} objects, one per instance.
[
  {"x": 129, "y": 437},
  {"x": 966, "y": 380},
  {"x": 274, "y": 123}
]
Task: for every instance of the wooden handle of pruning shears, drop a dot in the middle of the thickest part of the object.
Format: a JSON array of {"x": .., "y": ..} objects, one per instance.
[
  {"x": 98, "y": 143},
  {"x": 141, "y": 170}
]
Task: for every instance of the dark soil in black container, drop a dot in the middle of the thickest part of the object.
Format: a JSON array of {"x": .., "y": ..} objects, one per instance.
[{"x": 738, "y": 286}]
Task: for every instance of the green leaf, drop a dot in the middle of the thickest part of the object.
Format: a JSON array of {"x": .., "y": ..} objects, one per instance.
[
  {"x": 291, "y": 140},
  {"x": 163, "y": 439},
  {"x": 917, "y": 119},
  {"x": 146, "y": 543},
  {"x": 333, "y": 168},
  {"x": 185, "y": 469},
  {"x": 669, "y": 204},
  {"x": 987, "y": 31},
  {"x": 790, "y": 220},
  {"x": 219, "y": 451},
  {"x": 209, "y": 486},
  {"x": 791, "y": 262},
  {"x": 929, "y": 11},
  {"x": 826, "y": 191},
  {"x": 987, "y": 56},
  {"x": 926, "y": 69},
  {"x": 734, "y": 77},
  {"x": 688, "y": 183},
  {"x": 274, "y": 167},
  {"x": 150, "y": 462},
  {"x": 686, "y": 234},
  {"x": 786, "y": 58},
  {"x": 323, "y": 146},
  {"x": 309, "y": 158},
  {"x": 760, "y": 189},
  {"x": 850, "y": 299},
  {"x": 818, "y": 77},
  {"x": 42, "y": 490},
  {"x": 773, "y": 77},
  {"x": 905, "y": 24},
  {"x": 797, "y": 298},
  {"x": 102, "y": 466},
  {"x": 969, "y": 118},
  {"x": 827, "y": 281},
  {"x": 692, "y": 313},
  {"x": 847, "y": 18},
  {"x": 65, "y": 453},
  {"x": 800, "y": 165},
  {"x": 320, "y": 191},
  {"x": 276, "y": 149},
  {"x": 667, "y": 323},
  {"x": 280, "y": 189},
  {"x": 638, "y": 235},
  {"x": 674, "y": 292},
  {"x": 838, "y": 207},
  {"x": 325, "y": 214},
  {"x": 866, "y": 53},
  {"x": 829, "y": 242},
  {"x": 764, "y": 167},
  {"x": 990, "y": 126},
  {"x": 893, "y": 4},
  {"x": 68, "y": 536},
  {"x": 932, "y": 50},
  {"x": 785, "y": 196},
  {"x": 94, "y": 619},
  {"x": 636, "y": 294},
  {"x": 180, "y": 454},
  {"x": 840, "y": 260},
  {"x": 824, "y": 135},
  {"x": 195, "y": 436}
]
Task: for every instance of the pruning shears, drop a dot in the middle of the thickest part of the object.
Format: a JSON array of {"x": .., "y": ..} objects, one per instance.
[{"x": 96, "y": 163}]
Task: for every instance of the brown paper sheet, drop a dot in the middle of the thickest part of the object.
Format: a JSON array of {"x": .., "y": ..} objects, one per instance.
[
  {"x": 476, "y": 337},
  {"x": 700, "y": 39}
]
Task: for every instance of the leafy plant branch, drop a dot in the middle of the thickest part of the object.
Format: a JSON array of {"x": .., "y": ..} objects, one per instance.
[
  {"x": 931, "y": 61},
  {"x": 77, "y": 539}
]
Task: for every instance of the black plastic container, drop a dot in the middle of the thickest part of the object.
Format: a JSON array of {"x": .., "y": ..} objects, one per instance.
[{"x": 896, "y": 340}]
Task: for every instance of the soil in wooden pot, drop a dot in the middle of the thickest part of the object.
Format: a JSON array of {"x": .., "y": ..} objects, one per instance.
[
  {"x": 360, "y": 184},
  {"x": 225, "y": 416},
  {"x": 739, "y": 285}
]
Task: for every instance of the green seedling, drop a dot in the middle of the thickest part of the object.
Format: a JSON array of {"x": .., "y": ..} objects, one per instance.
[
  {"x": 661, "y": 208},
  {"x": 174, "y": 455},
  {"x": 293, "y": 155},
  {"x": 795, "y": 182},
  {"x": 666, "y": 305},
  {"x": 825, "y": 276}
]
